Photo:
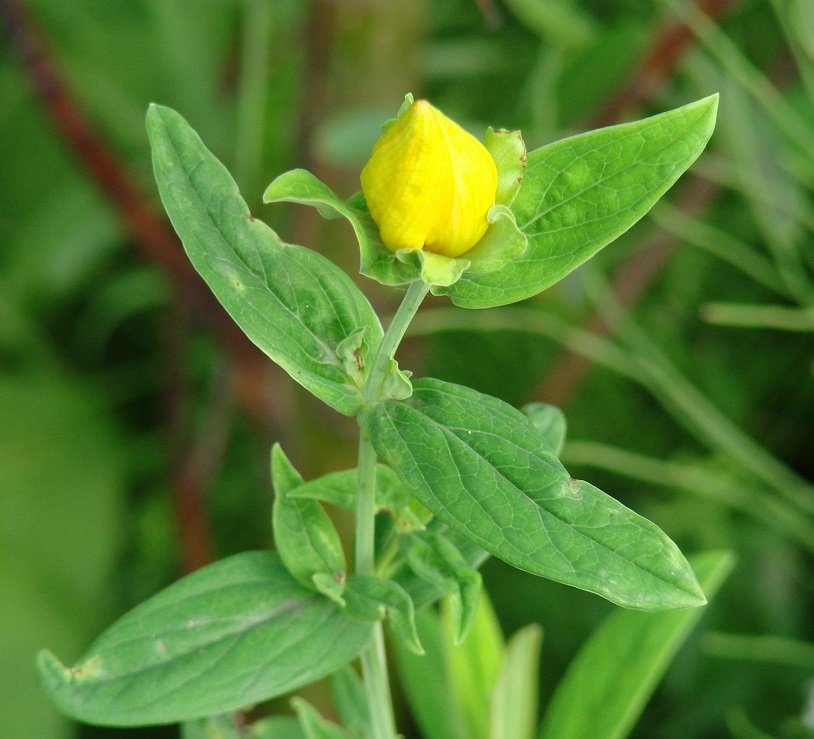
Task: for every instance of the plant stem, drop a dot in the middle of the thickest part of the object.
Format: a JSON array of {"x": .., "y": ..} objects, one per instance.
[{"x": 374, "y": 659}]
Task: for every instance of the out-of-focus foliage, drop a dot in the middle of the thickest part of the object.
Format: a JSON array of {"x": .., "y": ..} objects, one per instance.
[{"x": 696, "y": 412}]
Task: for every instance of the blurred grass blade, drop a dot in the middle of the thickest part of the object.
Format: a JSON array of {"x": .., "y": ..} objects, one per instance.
[
  {"x": 514, "y": 698},
  {"x": 426, "y": 682},
  {"x": 474, "y": 665},
  {"x": 615, "y": 672},
  {"x": 768, "y": 649}
]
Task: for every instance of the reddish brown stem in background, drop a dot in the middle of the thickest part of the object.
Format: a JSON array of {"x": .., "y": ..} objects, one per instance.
[
  {"x": 671, "y": 41},
  {"x": 632, "y": 280},
  {"x": 157, "y": 242}
]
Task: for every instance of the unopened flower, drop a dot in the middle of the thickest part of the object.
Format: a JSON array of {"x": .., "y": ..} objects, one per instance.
[{"x": 429, "y": 184}]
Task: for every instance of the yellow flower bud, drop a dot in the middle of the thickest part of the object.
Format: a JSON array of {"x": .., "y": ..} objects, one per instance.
[{"x": 429, "y": 184}]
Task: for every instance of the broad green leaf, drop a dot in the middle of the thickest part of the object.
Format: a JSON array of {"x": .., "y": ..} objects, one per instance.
[
  {"x": 474, "y": 665},
  {"x": 313, "y": 725},
  {"x": 550, "y": 424},
  {"x": 350, "y": 700},
  {"x": 483, "y": 469},
  {"x": 435, "y": 710},
  {"x": 437, "y": 560},
  {"x": 581, "y": 193},
  {"x": 230, "y": 635},
  {"x": 296, "y": 305},
  {"x": 615, "y": 672},
  {"x": 514, "y": 698},
  {"x": 304, "y": 535},
  {"x": 371, "y": 598}
]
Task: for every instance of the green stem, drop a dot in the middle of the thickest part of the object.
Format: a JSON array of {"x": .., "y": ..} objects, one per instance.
[{"x": 374, "y": 660}]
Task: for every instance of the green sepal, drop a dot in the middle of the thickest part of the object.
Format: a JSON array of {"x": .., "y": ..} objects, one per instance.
[
  {"x": 437, "y": 560},
  {"x": 371, "y": 598},
  {"x": 313, "y": 725},
  {"x": 437, "y": 270},
  {"x": 304, "y": 535},
  {"x": 550, "y": 423},
  {"x": 408, "y": 101},
  {"x": 508, "y": 151},
  {"x": 502, "y": 242}
]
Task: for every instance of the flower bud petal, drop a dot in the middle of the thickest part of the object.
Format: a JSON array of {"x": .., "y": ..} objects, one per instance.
[{"x": 429, "y": 184}]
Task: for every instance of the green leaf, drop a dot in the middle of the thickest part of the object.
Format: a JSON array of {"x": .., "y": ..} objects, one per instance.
[
  {"x": 371, "y": 598},
  {"x": 437, "y": 560},
  {"x": 581, "y": 193},
  {"x": 474, "y": 665},
  {"x": 435, "y": 710},
  {"x": 483, "y": 469},
  {"x": 514, "y": 698},
  {"x": 377, "y": 261},
  {"x": 304, "y": 535},
  {"x": 615, "y": 672},
  {"x": 508, "y": 150},
  {"x": 314, "y": 726},
  {"x": 550, "y": 424},
  {"x": 293, "y": 303},
  {"x": 230, "y": 635},
  {"x": 424, "y": 592},
  {"x": 350, "y": 700}
]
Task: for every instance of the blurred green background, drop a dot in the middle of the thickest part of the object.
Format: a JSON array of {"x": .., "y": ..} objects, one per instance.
[{"x": 135, "y": 423}]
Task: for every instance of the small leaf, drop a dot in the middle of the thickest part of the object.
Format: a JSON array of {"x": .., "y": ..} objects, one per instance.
[
  {"x": 514, "y": 697},
  {"x": 438, "y": 270},
  {"x": 581, "y": 193},
  {"x": 482, "y": 468},
  {"x": 305, "y": 537},
  {"x": 371, "y": 598},
  {"x": 293, "y": 303},
  {"x": 421, "y": 590},
  {"x": 503, "y": 242},
  {"x": 436, "y": 559},
  {"x": 616, "y": 671},
  {"x": 509, "y": 152},
  {"x": 313, "y": 725},
  {"x": 244, "y": 615},
  {"x": 550, "y": 423}
]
